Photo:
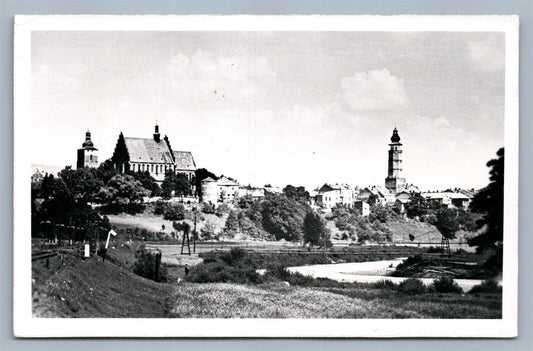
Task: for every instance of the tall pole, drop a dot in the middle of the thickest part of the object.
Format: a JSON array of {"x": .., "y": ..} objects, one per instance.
[{"x": 194, "y": 232}]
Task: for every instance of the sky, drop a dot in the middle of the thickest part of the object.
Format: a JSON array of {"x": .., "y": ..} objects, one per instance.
[{"x": 300, "y": 108}]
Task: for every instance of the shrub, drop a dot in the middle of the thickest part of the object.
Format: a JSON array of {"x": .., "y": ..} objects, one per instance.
[
  {"x": 174, "y": 212},
  {"x": 446, "y": 284},
  {"x": 208, "y": 231},
  {"x": 487, "y": 286},
  {"x": 215, "y": 272},
  {"x": 149, "y": 265},
  {"x": 412, "y": 286},
  {"x": 235, "y": 255},
  {"x": 222, "y": 209},
  {"x": 160, "y": 207},
  {"x": 208, "y": 207},
  {"x": 384, "y": 284}
]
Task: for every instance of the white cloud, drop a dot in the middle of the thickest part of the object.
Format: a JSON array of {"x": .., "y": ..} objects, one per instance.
[
  {"x": 374, "y": 90},
  {"x": 486, "y": 56}
]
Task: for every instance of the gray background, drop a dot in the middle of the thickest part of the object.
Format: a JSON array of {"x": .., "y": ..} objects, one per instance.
[{"x": 523, "y": 8}]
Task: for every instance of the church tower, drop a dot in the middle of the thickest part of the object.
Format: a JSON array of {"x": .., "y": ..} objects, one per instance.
[
  {"x": 87, "y": 155},
  {"x": 394, "y": 181}
]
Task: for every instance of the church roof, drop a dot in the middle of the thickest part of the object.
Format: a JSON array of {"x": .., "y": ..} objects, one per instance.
[
  {"x": 148, "y": 150},
  {"x": 184, "y": 160}
]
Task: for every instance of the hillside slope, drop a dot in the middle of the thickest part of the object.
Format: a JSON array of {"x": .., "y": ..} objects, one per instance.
[{"x": 92, "y": 288}]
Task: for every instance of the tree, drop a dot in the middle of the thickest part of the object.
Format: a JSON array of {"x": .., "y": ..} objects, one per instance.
[
  {"x": 148, "y": 182},
  {"x": 417, "y": 206},
  {"x": 489, "y": 203},
  {"x": 168, "y": 185},
  {"x": 182, "y": 186},
  {"x": 123, "y": 189},
  {"x": 314, "y": 229},
  {"x": 296, "y": 193},
  {"x": 446, "y": 222}
]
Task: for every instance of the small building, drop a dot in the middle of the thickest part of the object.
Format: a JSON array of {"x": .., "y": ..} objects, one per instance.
[
  {"x": 362, "y": 207},
  {"x": 329, "y": 195},
  {"x": 450, "y": 199},
  {"x": 228, "y": 189},
  {"x": 376, "y": 195},
  {"x": 223, "y": 189},
  {"x": 273, "y": 189},
  {"x": 254, "y": 193},
  {"x": 37, "y": 177},
  {"x": 209, "y": 190}
]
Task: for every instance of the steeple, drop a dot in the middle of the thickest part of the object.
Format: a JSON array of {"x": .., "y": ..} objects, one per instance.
[
  {"x": 395, "y": 138},
  {"x": 88, "y": 143},
  {"x": 157, "y": 136}
]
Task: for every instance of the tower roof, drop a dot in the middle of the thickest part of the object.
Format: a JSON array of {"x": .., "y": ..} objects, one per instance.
[
  {"x": 88, "y": 144},
  {"x": 395, "y": 138}
]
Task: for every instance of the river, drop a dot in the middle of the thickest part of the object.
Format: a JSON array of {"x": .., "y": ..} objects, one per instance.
[{"x": 367, "y": 272}]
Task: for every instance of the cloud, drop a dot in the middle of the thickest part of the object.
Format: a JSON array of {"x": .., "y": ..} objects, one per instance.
[
  {"x": 486, "y": 55},
  {"x": 374, "y": 90},
  {"x": 214, "y": 78}
]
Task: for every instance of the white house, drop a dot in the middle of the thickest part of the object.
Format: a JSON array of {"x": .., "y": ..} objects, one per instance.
[
  {"x": 222, "y": 190},
  {"x": 329, "y": 195}
]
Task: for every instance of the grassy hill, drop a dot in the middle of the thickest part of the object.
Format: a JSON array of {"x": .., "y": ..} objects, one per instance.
[
  {"x": 422, "y": 231},
  {"x": 92, "y": 288}
]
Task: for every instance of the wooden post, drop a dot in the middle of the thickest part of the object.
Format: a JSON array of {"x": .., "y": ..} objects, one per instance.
[{"x": 194, "y": 233}]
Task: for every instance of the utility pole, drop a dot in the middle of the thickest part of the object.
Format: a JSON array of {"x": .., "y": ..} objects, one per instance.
[{"x": 194, "y": 231}]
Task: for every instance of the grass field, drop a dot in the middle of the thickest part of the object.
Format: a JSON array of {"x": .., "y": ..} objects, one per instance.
[{"x": 275, "y": 300}]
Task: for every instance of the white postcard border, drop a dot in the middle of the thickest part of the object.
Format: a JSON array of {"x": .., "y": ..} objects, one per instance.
[{"x": 26, "y": 326}]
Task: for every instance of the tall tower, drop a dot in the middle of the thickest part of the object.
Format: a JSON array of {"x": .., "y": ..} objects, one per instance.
[
  {"x": 394, "y": 181},
  {"x": 87, "y": 155}
]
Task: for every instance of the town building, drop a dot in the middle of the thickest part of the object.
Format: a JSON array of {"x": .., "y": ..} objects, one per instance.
[
  {"x": 329, "y": 195},
  {"x": 451, "y": 199},
  {"x": 362, "y": 208},
  {"x": 394, "y": 181},
  {"x": 376, "y": 195},
  {"x": 222, "y": 190},
  {"x": 153, "y": 155},
  {"x": 249, "y": 191},
  {"x": 37, "y": 177},
  {"x": 87, "y": 155}
]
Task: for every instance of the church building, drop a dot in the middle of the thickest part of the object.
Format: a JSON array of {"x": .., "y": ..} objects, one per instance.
[
  {"x": 153, "y": 155},
  {"x": 87, "y": 155},
  {"x": 394, "y": 181}
]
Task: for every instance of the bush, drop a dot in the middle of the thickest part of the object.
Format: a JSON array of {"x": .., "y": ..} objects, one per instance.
[
  {"x": 412, "y": 286},
  {"x": 148, "y": 265},
  {"x": 208, "y": 207},
  {"x": 446, "y": 285},
  {"x": 384, "y": 284},
  {"x": 222, "y": 209},
  {"x": 215, "y": 272},
  {"x": 488, "y": 286},
  {"x": 174, "y": 212},
  {"x": 235, "y": 255},
  {"x": 208, "y": 231},
  {"x": 160, "y": 207}
]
